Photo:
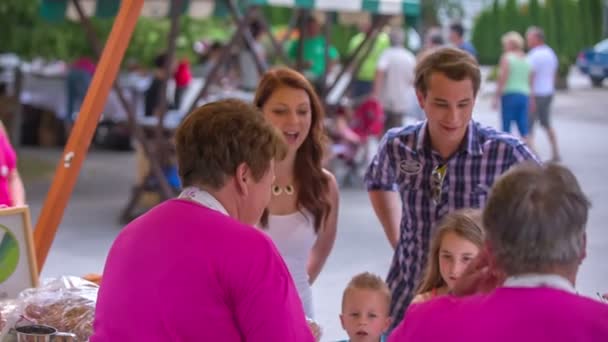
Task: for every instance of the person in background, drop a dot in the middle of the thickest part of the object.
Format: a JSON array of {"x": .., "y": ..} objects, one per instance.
[
  {"x": 458, "y": 239},
  {"x": 513, "y": 86},
  {"x": 152, "y": 95},
  {"x": 79, "y": 77},
  {"x": 303, "y": 210},
  {"x": 314, "y": 52},
  {"x": 364, "y": 80},
  {"x": 365, "y": 308},
  {"x": 12, "y": 192},
  {"x": 182, "y": 77},
  {"x": 433, "y": 39},
  {"x": 457, "y": 39},
  {"x": 194, "y": 268},
  {"x": 394, "y": 81},
  {"x": 249, "y": 73},
  {"x": 544, "y": 64},
  {"x": 522, "y": 288}
]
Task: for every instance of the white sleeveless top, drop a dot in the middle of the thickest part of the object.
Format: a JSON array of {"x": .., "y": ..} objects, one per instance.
[{"x": 294, "y": 236}]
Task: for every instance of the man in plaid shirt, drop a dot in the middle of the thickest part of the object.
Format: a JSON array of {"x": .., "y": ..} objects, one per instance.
[{"x": 445, "y": 163}]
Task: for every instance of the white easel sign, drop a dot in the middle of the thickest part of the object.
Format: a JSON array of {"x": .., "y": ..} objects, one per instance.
[{"x": 18, "y": 269}]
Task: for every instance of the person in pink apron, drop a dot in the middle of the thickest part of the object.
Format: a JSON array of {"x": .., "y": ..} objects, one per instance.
[{"x": 12, "y": 192}]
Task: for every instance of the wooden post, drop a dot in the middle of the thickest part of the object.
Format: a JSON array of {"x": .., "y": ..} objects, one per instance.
[
  {"x": 78, "y": 143},
  {"x": 226, "y": 50},
  {"x": 359, "y": 54},
  {"x": 303, "y": 27},
  {"x": 162, "y": 152},
  {"x": 278, "y": 45},
  {"x": 247, "y": 37}
]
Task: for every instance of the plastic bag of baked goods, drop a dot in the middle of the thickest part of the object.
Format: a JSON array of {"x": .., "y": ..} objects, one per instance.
[
  {"x": 8, "y": 316},
  {"x": 66, "y": 303}
]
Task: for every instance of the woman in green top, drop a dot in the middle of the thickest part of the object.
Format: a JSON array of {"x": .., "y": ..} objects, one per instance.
[{"x": 514, "y": 80}]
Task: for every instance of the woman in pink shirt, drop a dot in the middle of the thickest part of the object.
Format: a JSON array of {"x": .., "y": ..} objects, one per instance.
[
  {"x": 12, "y": 192},
  {"x": 194, "y": 268}
]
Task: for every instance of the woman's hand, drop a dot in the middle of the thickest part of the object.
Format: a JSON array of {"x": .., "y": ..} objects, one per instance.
[
  {"x": 315, "y": 328},
  {"x": 531, "y": 105},
  {"x": 495, "y": 102}
]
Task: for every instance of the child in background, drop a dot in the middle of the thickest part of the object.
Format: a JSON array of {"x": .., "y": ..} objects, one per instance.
[
  {"x": 183, "y": 78},
  {"x": 12, "y": 193},
  {"x": 458, "y": 239},
  {"x": 365, "y": 308}
]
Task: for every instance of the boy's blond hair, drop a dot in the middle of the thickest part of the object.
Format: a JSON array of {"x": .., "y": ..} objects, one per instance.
[{"x": 368, "y": 281}]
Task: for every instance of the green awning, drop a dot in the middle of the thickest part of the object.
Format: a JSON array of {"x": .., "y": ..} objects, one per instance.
[
  {"x": 57, "y": 10},
  {"x": 391, "y": 7}
]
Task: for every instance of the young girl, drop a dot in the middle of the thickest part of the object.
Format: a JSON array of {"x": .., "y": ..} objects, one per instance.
[
  {"x": 458, "y": 239},
  {"x": 11, "y": 187},
  {"x": 303, "y": 211}
]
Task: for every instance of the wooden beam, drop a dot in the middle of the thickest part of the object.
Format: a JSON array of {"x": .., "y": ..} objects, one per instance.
[
  {"x": 277, "y": 45},
  {"x": 224, "y": 56},
  {"x": 359, "y": 54},
  {"x": 79, "y": 141},
  {"x": 247, "y": 36},
  {"x": 161, "y": 108}
]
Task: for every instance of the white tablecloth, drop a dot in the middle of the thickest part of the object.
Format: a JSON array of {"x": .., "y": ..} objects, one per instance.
[{"x": 49, "y": 92}]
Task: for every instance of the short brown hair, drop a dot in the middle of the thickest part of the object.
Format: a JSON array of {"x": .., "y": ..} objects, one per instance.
[
  {"x": 213, "y": 140},
  {"x": 368, "y": 281},
  {"x": 466, "y": 223},
  {"x": 454, "y": 63},
  {"x": 535, "y": 218}
]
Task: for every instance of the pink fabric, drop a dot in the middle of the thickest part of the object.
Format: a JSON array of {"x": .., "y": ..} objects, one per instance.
[
  {"x": 369, "y": 118},
  {"x": 508, "y": 314},
  {"x": 182, "y": 74},
  {"x": 8, "y": 160},
  {"x": 86, "y": 64},
  {"x": 183, "y": 272}
]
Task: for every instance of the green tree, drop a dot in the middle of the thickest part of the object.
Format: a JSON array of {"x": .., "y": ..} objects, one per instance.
[
  {"x": 535, "y": 13},
  {"x": 483, "y": 37},
  {"x": 597, "y": 11},
  {"x": 511, "y": 17}
]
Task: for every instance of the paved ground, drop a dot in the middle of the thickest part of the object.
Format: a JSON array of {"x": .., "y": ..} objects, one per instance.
[{"x": 90, "y": 222}]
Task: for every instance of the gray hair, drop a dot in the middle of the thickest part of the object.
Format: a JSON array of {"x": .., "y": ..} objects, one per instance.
[
  {"x": 537, "y": 31},
  {"x": 396, "y": 36},
  {"x": 535, "y": 218}
]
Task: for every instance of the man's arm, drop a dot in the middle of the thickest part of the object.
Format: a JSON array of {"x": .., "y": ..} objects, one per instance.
[
  {"x": 532, "y": 99},
  {"x": 380, "y": 180},
  {"x": 378, "y": 83},
  {"x": 381, "y": 67},
  {"x": 503, "y": 74},
  {"x": 387, "y": 207}
]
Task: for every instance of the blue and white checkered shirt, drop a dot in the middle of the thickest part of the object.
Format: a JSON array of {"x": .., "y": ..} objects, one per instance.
[{"x": 405, "y": 162}]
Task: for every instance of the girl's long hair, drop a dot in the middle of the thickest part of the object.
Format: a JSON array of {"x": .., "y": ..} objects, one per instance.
[
  {"x": 466, "y": 223},
  {"x": 312, "y": 183}
]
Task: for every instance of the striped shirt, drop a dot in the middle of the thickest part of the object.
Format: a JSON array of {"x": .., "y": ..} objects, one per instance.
[{"x": 405, "y": 162}]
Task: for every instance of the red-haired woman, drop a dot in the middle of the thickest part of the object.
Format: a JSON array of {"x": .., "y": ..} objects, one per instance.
[{"x": 303, "y": 211}]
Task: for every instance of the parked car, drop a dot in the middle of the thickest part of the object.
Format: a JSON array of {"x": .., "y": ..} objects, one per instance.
[{"x": 594, "y": 62}]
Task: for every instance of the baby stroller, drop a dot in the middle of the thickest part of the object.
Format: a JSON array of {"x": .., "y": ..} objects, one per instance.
[{"x": 355, "y": 131}]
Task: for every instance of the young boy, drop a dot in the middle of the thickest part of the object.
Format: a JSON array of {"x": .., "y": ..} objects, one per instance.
[{"x": 365, "y": 308}]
